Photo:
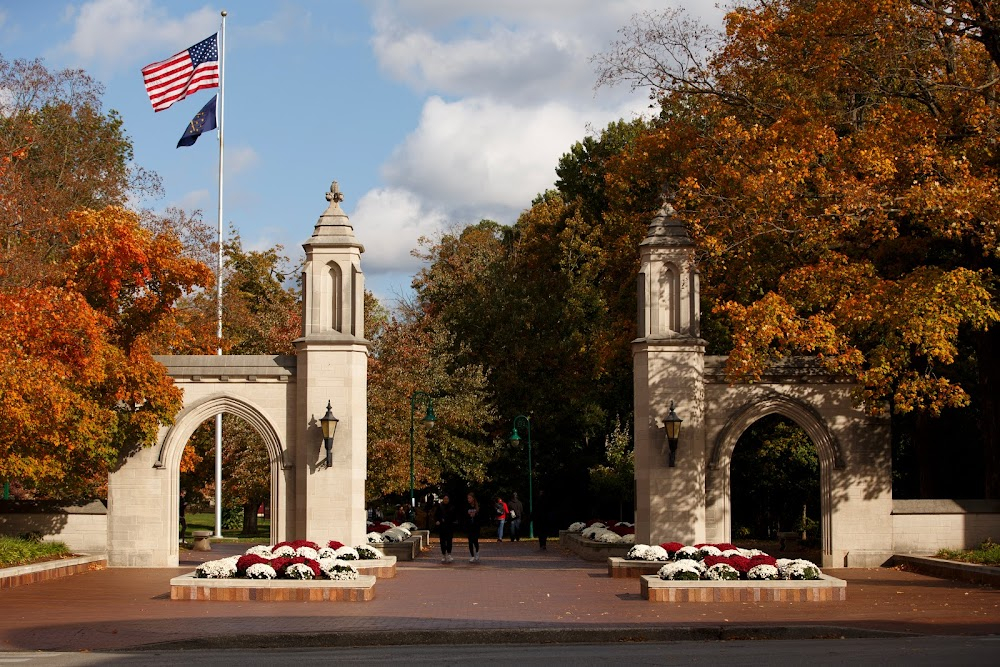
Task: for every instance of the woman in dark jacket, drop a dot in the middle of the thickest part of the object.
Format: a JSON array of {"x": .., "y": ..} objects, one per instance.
[
  {"x": 472, "y": 523},
  {"x": 444, "y": 521}
]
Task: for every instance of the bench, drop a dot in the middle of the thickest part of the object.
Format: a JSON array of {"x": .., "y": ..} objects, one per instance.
[{"x": 200, "y": 540}]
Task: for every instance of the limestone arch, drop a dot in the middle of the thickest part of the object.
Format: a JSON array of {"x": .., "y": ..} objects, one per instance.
[
  {"x": 189, "y": 418},
  {"x": 827, "y": 448}
]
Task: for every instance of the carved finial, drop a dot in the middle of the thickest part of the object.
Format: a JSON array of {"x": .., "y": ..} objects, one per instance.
[{"x": 334, "y": 195}]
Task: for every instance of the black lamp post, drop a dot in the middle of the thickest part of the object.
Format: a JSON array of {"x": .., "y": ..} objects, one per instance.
[
  {"x": 672, "y": 425},
  {"x": 428, "y": 421},
  {"x": 329, "y": 425},
  {"x": 515, "y": 438}
]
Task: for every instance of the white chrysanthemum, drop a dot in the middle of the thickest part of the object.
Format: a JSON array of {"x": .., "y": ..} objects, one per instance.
[
  {"x": 347, "y": 553},
  {"x": 687, "y": 553},
  {"x": 639, "y": 552},
  {"x": 686, "y": 569},
  {"x": 729, "y": 553},
  {"x": 408, "y": 526},
  {"x": 628, "y": 538},
  {"x": 759, "y": 572},
  {"x": 326, "y": 552},
  {"x": 609, "y": 537},
  {"x": 284, "y": 551},
  {"x": 656, "y": 552},
  {"x": 261, "y": 550},
  {"x": 799, "y": 569},
  {"x": 261, "y": 571},
  {"x": 299, "y": 571},
  {"x": 708, "y": 550},
  {"x": 368, "y": 553},
  {"x": 342, "y": 571},
  {"x": 307, "y": 552},
  {"x": 395, "y": 535},
  {"x": 576, "y": 527},
  {"x": 375, "y": 538},
  {"x": 750, "y": 553},
  {"x": 590, "y": 532},
  {"x": 327, "y": 562},
  {"x": 722, "y": 572},
  {"x": 224, "y": 568}
]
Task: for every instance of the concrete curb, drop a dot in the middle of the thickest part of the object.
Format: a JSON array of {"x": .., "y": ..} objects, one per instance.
[
  {"x": 523, "y": 636},
  {"x": 949, "y": 569},
  {"x": 22, "y": 575}
]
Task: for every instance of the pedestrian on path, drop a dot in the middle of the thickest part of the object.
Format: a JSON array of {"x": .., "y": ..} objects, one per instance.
[
  {"x": 444, "y": 520},
  {"x": 501, "y": 509},
  {"x": 472, "y": 523},
  {"x": 183, "y": 508},
  {"x": 541, "y": 518},
  {"x": 516, "y": 517}
]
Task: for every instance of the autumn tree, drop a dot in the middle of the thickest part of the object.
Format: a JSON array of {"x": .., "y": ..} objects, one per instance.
[
  {"x": 411, "y": 352},
  {"x": 835, "y": 162},
  {"x": 81, "y": 391}
]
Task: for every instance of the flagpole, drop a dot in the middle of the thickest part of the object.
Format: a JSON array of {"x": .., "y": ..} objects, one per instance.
[{"x": 218, "y": 331}]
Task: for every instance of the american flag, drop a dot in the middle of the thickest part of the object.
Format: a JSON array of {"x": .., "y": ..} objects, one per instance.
[{"x": 176, "y": 77}]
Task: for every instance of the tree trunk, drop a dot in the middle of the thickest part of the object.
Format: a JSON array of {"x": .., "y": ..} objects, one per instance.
[
  {"x": 250, "y": 519},
  {"x": 988, "y": 353}
]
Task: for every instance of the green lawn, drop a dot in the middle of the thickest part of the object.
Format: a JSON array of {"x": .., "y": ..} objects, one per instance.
[
  {"x": 15, "y": 551},
  {"x": 207, "y": 522}
]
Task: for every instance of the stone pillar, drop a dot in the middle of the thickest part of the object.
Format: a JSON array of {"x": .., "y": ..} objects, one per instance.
[
  {"x": 332, "y": 366},
  {"x": 669, "y": 362}
]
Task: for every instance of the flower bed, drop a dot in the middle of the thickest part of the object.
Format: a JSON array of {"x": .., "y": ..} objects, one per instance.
[
  {"x": 298, "y": 560},
  {"x": 715, "y": 562}
]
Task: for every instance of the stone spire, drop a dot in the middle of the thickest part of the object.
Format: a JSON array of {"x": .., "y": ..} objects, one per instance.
[
  {"x": 334, "y": 227},
  {"x": 666, "y": 229}
]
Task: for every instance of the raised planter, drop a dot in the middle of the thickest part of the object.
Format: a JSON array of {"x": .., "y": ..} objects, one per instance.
[
  {"x": 824, "y": 589},
  {"x": 591, "y": 550},
  {"x": 383, "y": 568},
  {"x": 189, "y": 587},
  {"x": 21, "y": 575},
  {"x": 408, "y": 549},
  {"x": 621, "y": 568}
]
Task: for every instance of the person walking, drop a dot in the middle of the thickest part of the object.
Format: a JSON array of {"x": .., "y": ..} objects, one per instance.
[
  {"x": 516, "y": 517},
  {"x": 541, "y": 518},
  {"x": 183, "y": 508},
  {"x": 501, "y": 509},
  {"x": 472, "y": 523},
  {"x": 444, "y": 520}
]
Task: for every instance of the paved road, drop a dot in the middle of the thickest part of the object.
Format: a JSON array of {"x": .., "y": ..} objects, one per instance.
[{"x": 912, "y": 652}]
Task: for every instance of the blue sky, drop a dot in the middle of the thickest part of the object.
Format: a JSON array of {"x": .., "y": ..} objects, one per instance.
[{"x": 431, "y": 114}]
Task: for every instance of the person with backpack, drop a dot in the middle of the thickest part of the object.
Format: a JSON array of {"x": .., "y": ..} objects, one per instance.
[
  {"x": 516, "y": 515},
  {"x": 472, "y": 523},
  {"x": 444, "y": 521},
  {"x": 501, "y": 511}
]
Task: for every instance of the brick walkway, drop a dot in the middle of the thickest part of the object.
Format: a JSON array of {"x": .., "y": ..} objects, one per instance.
[{"x": 516, "y": 587}]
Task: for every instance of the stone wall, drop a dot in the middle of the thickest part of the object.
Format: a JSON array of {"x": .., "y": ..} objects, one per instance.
[
  {"x": 83, "y": 528},
  {"x": 925, "y": 526}
]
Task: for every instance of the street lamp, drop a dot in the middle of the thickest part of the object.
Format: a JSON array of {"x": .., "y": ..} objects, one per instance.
[
  {"x": 329, "y": 425},
  {"x": 672, "y": 425},
  {"x": 515, "y": 438},
  {"x": 428, "y": 421}
]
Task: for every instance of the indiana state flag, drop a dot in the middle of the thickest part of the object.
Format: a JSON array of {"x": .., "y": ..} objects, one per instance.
[{"x": 203, "y": 121}]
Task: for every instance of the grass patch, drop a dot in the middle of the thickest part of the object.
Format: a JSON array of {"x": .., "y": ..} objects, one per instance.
[
  {"x": 16, "y": 551},
  {"x": 206, "y": 521},
  {"x": 988, "y": 553}
]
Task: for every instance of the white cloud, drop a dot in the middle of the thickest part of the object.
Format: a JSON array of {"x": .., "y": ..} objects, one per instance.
[
  {"x": 116, "y": 33},
  {"x": 240, "y": 159},
  {"x": 492, "y": 156},
  {"x": 194, "y": 200},
  {"x": 389, "y": 222}
]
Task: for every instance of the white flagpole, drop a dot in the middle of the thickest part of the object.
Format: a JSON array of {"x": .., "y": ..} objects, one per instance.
[{"x": 218, "y": 418}]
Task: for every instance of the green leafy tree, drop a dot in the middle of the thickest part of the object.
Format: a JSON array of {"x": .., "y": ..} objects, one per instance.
[{"x": 612, "y": 484}]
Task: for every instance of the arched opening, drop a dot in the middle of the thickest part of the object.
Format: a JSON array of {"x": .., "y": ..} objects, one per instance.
[
  {"x": 246, "y": 480},
  {"x": 775, "y": 488},
  {"x": 177, "y": 437}
]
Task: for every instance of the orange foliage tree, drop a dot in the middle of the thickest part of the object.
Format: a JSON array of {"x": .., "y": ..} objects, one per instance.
[{"x": 836, "y": 163}]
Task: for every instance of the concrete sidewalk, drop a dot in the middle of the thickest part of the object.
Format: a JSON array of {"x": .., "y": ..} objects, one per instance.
[{"x": 517, "y": 593}]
